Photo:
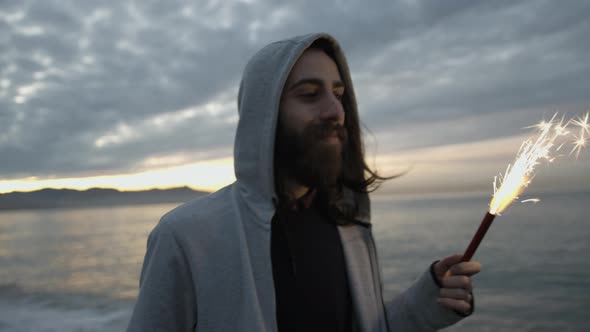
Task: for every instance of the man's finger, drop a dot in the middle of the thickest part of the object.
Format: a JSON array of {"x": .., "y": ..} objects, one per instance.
[
  {"x": 466, "y": 268},
  {"x": 456, "y": 293},
  {"x": 442, "y": 266},
  {"x": 457, "y": 305},
  {"x": 457, "y": 282}
]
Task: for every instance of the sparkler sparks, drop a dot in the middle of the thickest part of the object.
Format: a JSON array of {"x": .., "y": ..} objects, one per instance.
[
  {"x": 531, "y": 153},
  {"x": 580, "y": 141},
  {"x": 583, "y": 123},
  {"x": 518, "y": 175},
  {"x": 533, "y": 200}
]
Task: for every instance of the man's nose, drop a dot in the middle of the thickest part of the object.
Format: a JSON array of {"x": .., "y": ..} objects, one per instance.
[{"x": 333, "y": 110}]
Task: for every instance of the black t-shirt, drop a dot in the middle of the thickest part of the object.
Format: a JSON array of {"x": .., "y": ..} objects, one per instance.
[{"x": 312, "y": 292}]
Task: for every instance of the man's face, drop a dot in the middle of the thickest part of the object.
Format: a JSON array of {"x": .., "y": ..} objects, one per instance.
[{"x": 311, "y": 134}]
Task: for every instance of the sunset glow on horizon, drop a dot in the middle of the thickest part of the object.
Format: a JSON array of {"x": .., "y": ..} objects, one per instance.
[
  {"x": 430, "y": 169},
  {"x": 206, "y": 176}
]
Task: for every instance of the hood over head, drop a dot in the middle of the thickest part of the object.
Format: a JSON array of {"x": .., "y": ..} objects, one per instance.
[{"x": 258, "y": 104}]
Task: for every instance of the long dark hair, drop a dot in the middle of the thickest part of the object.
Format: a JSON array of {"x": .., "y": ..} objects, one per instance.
[{"x": 356, "y": 174}]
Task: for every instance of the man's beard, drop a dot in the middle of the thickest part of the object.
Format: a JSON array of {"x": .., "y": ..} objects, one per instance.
[{"x": 308, "y": 158}]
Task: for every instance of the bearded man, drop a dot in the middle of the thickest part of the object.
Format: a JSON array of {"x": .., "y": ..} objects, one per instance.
[{"x": 288, "y": 245}]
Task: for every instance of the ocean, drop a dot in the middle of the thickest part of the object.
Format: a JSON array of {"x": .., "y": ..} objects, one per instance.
[{"x": 78, "y": 269}]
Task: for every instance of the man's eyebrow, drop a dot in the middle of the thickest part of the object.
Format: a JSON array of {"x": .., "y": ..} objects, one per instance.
[{"x": 314, "y": 81}]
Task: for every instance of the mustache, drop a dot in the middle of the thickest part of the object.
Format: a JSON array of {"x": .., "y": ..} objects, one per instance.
[{"x": 326, "y": 129}]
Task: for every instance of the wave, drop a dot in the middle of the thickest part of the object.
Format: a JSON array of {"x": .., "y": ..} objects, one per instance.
[{"x": 22, "y": 311}]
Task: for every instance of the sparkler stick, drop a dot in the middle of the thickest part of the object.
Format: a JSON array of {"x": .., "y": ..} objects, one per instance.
[
  {"x": 476, "y": 240},
  {"x": 518, "y": 176}
]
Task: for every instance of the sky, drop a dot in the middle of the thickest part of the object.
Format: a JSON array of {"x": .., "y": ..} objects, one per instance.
[{"x": 142, "y": 94}]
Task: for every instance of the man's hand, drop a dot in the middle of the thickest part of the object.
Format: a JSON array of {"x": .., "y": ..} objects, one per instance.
[{"x": 456, "y": 291}]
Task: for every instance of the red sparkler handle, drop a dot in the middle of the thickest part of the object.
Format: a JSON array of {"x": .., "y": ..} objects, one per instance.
[{"x": 476, "y": 240}]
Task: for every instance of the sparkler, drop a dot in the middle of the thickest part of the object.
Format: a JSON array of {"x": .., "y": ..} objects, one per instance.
[
  {"x": 580, "y": 140},
  {"x": 519, "y": 175}
]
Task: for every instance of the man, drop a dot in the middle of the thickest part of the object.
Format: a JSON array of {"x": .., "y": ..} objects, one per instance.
[{"x": 288, "y": 245}]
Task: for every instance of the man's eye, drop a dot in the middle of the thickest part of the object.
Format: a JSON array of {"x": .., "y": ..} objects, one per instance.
[{"x": 309, "y": 94}]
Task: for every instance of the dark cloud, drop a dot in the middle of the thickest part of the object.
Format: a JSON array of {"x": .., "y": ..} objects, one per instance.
[
  {"x": 96, "y": 89},
  {"x": 483, "y": 61}
]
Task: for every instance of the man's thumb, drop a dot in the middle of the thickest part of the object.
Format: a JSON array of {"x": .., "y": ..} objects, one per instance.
[{"x": 445, "y": 264}]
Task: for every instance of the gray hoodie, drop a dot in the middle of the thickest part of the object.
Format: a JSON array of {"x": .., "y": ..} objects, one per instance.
[{"x": 208, "y": 263}]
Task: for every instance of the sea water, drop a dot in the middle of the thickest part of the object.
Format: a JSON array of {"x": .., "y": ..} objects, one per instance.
[
  {"x": 535, "y": 267},
  {"x": 78, "y": 269}
]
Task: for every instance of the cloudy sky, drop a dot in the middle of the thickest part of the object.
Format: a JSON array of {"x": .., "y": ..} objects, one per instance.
[{"x": 135, "y": 94}]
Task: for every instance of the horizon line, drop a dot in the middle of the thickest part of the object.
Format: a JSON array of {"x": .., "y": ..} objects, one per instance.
[{"x": 107, "y": 188}]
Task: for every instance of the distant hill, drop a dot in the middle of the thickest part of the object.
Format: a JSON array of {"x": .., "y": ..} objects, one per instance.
[{"x": 58, "y": 198}]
